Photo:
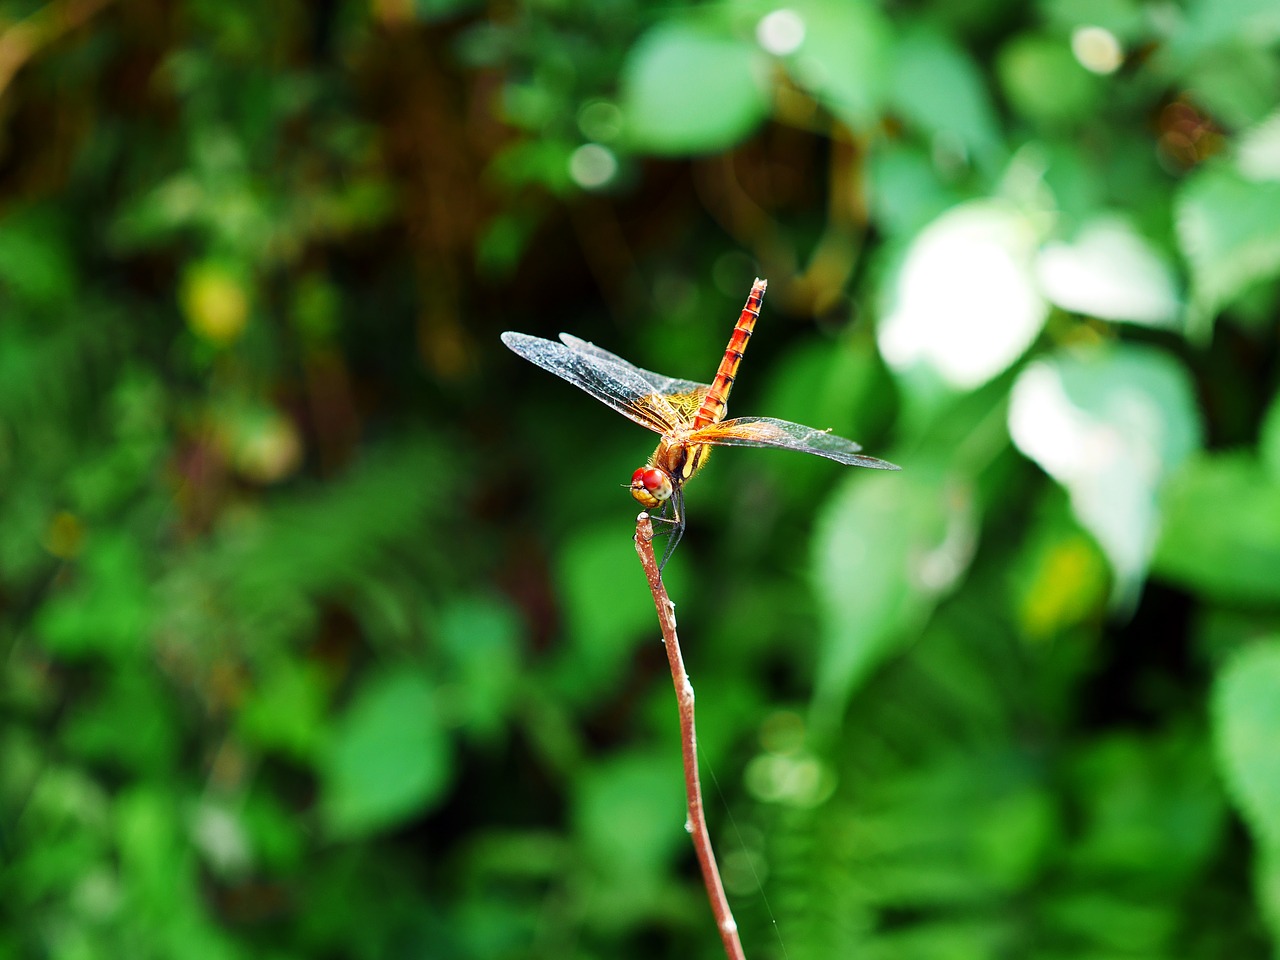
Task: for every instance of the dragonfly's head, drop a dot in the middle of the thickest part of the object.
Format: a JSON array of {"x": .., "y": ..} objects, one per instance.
[{"x": 651, "y": 487}]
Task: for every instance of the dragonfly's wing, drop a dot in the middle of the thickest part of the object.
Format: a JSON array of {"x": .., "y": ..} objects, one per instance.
[
  {"x": 768, "y": 432},
  {"x": 664, "y": 386},
  {"x": 610, "y": 381}
]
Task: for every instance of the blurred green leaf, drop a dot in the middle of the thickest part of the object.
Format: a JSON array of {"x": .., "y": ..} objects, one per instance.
[
  {"x": 1109, "y": 425},
  {"x": 152, "y": 854},
  {"x": 388, "y": 758},
  {"x": 1258, "y": 150},
  {"x": 480, "y": 635},
  {"x": 129, "y": 725},
  {"x": 1246, "y": 719},
  {"x": 107, "y": 605},
  {"x": 939, "y": 940},
  {"x": 1214, "y": 22},
  {"x": 906, "y": 188},
  {"x": 285, "y": 710},
  {"x": 686, "y": 89},
  {"x": 34, "y": 265},
  {"x": 1266, "y": 878},
  {"x": 1226, "y": 228},
  {"x": 1235, "y": 81},
  {"x": 885, "y": 548},
  {"x": 1269, "y": 439},
  {"x": 1100, "y": 925},
  {"x": 71, "y": 815},
  {"x": 1220, "y": 533},
  {"x": 963, "y": 303},
  {"x": 276, "y": 833},
  {"x": 158, "y": 867},
  {"x": 266, "y": 568},
  {"x": 1014, "y": 836},
  {"x": 1062, "y": 577},
  {"x": 1126, "y": 19},
  {"x": 629, "y": 814},
  {"x": 844, "y": 57},
  {"x": 1045, "y": 82},
  {"x": 1145, "y": 797},
  {"x": 937, "y": 86},
  {"x": 608, "y": 608},
  {"x": 1110, "y": 271}
]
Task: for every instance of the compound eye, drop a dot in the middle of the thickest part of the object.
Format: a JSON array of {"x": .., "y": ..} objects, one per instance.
[
  {"x": 651, "y": 478},
  {"x": 650, "y": 486}
]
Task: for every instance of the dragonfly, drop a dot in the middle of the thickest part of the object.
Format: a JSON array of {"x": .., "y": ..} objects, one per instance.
[{"x": 687, "y": 415}]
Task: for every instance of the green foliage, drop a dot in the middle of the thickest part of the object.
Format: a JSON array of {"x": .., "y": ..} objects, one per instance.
[
  {"x": 870, "y": 607},
  {"x": 1226, "y": 225},
  {"x": 323, "y": 634},
  {"x": 843, "y": 59},
  {"x": 1235, "y": 559},
  {"x": 1247, "y": 716},
  {"x": 1111, "y": 426},
  {"x": 686, "y": 90},
  {"x": 388, "y": 756}
]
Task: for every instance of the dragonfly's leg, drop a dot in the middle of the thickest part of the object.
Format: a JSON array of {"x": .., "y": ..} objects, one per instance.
[
  {"x": 676, "y": 503},
  {"x": 657, "y": 518},
  {"x": 674, "y": 506},
  {"x": 670, "y": 506}
]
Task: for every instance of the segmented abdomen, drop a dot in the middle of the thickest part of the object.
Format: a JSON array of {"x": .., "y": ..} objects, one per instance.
[{"x": 713, "y": 407}]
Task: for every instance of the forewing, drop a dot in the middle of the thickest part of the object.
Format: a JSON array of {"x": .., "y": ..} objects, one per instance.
[
  {"x": 768, "y": 432},
  {"x": 664, "y": 386},
  {"x": 611, "y": 381}
]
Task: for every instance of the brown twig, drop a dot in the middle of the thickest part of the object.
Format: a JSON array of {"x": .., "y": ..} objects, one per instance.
[{"x": 696, "y": 823}]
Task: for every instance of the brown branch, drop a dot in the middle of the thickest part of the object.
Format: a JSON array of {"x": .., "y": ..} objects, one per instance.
[{"x": 696, "y": 823}]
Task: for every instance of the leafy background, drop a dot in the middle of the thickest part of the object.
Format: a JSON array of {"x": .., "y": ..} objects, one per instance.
[{"x": 323, "y": 634}]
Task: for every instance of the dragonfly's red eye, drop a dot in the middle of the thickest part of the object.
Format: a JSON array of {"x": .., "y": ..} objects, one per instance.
[
  {"x": 652, "y": 478},
  {"x": 650, "y": 486}
]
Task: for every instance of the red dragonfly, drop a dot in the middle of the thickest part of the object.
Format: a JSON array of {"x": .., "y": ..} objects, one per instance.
[{"x": 689, "y": 416}]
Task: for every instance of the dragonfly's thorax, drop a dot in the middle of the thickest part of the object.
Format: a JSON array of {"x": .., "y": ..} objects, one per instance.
[{"x": 680, "y": 460}]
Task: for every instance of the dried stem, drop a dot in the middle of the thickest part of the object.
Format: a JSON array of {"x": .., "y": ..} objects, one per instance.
[{"x": 696, "y": 823}]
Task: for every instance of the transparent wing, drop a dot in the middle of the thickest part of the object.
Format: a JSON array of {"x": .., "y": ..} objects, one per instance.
[
  {"x": 664, "y": 386},
  {"x": 768, "y": 432},
  {"x": 615, "y": 383}
]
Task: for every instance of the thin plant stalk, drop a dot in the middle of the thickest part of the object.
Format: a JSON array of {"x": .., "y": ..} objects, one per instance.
[{"x": 696, "y": 821}]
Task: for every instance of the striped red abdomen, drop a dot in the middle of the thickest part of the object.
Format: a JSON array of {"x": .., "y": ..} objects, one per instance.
[{"x": 713, "y": 407}]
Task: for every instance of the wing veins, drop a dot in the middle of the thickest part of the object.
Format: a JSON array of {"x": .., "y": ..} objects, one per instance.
[
  {"x": 612, "y": 381},
  {"x": 785, "y": 435},
  {"x": 664, "y": 386}
]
